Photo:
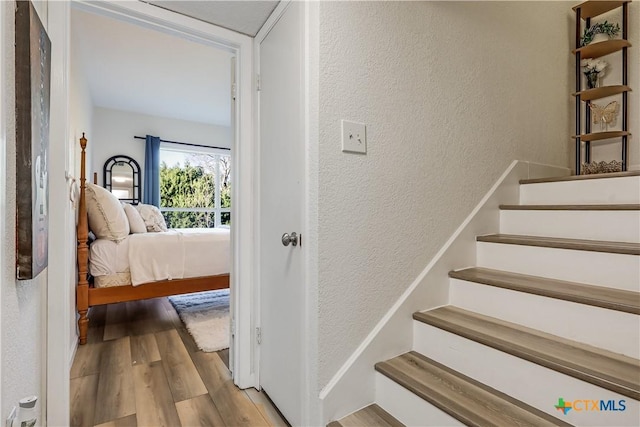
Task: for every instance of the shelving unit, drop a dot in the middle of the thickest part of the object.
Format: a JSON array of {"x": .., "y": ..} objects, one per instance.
[{"x": 584, "y": 12}]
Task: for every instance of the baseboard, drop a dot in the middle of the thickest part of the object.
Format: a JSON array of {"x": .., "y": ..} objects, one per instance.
[
  {"x": 353, "y": 386},
  {"x": 73, "y": 350}
]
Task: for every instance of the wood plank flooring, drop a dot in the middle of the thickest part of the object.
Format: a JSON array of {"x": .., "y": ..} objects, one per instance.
[{"x": 141, "y": 367}]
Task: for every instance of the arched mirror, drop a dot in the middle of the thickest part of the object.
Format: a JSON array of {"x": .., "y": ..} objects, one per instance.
[{"x": 122, "y": 178}]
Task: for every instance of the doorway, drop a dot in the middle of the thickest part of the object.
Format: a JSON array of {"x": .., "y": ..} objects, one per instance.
[{"x": 242, "y": 227}]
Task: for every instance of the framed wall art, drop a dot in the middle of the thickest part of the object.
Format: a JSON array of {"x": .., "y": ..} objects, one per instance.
[{"x": 32, "y": 81}]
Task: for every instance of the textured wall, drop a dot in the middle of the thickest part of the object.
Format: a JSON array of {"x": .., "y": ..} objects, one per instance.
[
  {"x": 23, "y": 302},
  {"x": 451, "y": 92},
  {"x": 114, "y": 131}
]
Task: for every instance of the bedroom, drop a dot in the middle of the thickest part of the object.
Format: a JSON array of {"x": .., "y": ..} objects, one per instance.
[{"x": 128, "y": 82}]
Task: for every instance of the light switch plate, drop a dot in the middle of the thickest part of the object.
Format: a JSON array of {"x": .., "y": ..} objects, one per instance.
[{"x": 354, "y": 137}]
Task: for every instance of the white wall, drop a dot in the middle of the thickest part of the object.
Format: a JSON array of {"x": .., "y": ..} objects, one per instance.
[
  {"x": 611, "y": 150},
  {"x": 113, "y": 133},
  {"x": 23, "y": 303},
  {"x": 80, "y": 121},
  {"x": 80, "y": 106},
  {"x": 451, "y": 93}
]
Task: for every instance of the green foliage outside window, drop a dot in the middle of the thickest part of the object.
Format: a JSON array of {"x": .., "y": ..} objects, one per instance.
[{"x": 193, "y": 186}]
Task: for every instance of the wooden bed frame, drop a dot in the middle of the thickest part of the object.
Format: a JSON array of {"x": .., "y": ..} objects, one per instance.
[{"x": 88, "y": 296}]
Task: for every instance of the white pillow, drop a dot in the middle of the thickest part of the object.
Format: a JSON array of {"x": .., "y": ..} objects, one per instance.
[
  {"x": 152, "y": 217},
  {"x": 136, "y": 223},
  {"x": 107, "y": 219}
]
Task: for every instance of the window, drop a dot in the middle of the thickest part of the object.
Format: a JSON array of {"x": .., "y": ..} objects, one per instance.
[{"x": 195, "y": 188}]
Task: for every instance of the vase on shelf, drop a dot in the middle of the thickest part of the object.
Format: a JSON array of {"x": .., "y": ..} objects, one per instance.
[{"x": 593, "y": 80}]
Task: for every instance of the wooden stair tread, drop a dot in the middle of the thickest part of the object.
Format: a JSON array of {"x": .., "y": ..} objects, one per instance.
[
  {"x": 560, "y": 243},
  {"x": 598, "y": 296},
  {"x": 603, "y": 368},
  {"x": 580, "y": 177},
  {"x": 619, "y": 207},
  {"x": 464, "y": 398},
  {"x": 370, "y": 416}
]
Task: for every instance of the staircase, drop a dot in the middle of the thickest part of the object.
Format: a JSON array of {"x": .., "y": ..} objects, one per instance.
[{"x": 545, "y": 330}]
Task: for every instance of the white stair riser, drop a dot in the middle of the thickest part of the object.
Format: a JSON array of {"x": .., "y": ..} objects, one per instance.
[
  {"x": 613, "y": 330},
  {"x": 590, "y": 191},
  {"x": 615, "y": 226},
  {"x": 594, "y": 268},
  {"x": 533, "y": 384},
  {"x": 407, "y": 407}
]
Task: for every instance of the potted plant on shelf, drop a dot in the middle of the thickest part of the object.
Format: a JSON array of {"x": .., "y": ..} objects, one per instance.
[
  {"x": 592, "y": 69},
  {"x": 603, "y": 30}
]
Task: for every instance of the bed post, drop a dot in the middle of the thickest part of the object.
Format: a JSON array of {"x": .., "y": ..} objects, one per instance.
[{"x": 82, "y": 291}]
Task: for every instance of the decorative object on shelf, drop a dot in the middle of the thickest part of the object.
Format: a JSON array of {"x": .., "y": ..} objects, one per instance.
[
  {"x": 593, "y": 69},
  {"x": 606, "y": 115},
  {"x": 601, "y": 167},
  {"x": 605, "y": 28}
]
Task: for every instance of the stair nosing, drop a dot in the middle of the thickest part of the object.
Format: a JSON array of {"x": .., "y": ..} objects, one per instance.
[
  {"x": 537, "y": 207},
  {"x": 623, "y": 248},
  {"x": 379, "y": 411},
  {"x": 385, "y": 415},
  {"x": 580, "y": 177},
  {"x": 531, "y": 354},
  {"x": 445, "y": 403},
  {"x": 557, "y": 293}
]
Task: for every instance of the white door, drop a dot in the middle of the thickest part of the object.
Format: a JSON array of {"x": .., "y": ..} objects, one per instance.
[{"x": 281, "y": 211}]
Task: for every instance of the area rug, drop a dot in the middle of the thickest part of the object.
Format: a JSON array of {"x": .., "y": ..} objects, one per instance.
[{"x": 206, "y": 316}]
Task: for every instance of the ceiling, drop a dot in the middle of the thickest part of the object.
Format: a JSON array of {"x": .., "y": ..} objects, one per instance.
[
  {"x": 243, "y": 16},
  {"x": 138, "y": 69}
]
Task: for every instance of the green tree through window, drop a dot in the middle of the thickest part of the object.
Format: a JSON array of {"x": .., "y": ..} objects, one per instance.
[{"x": 196, "y": 194}]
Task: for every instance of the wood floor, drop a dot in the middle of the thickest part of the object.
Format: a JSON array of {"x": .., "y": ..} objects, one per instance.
[{"x": 140, "y": 367}]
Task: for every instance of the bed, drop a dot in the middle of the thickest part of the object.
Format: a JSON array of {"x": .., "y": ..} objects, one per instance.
[{"x": 142, "y": 266}]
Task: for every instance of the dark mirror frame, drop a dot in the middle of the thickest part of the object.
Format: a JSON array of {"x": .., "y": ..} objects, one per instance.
[{"x": 117, "y": 160}]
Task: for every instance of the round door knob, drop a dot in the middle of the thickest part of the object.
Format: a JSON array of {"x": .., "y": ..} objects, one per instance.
[{"x": 290, "y": 239}]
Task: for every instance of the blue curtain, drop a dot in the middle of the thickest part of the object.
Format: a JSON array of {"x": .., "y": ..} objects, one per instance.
[{"x": 151, "y": 187}]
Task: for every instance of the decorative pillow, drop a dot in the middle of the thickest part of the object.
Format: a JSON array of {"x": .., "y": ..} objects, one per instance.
[
  {"x": 152, "y": 217},
  {"x": 136, "y": 223},
  {"x": 107, "y": 219}
]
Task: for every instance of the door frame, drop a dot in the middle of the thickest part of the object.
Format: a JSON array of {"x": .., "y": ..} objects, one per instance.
[
  {"x": 309, "y": 107},
  {"x": 242, "y": 359},
  {"x": 3, "y": 168}
]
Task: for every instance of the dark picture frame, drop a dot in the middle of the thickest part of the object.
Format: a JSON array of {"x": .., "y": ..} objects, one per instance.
[{"x": 33, "y": 89}]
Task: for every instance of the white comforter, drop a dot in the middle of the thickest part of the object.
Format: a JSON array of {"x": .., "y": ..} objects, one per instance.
[{"x": 175, "y": 254}]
